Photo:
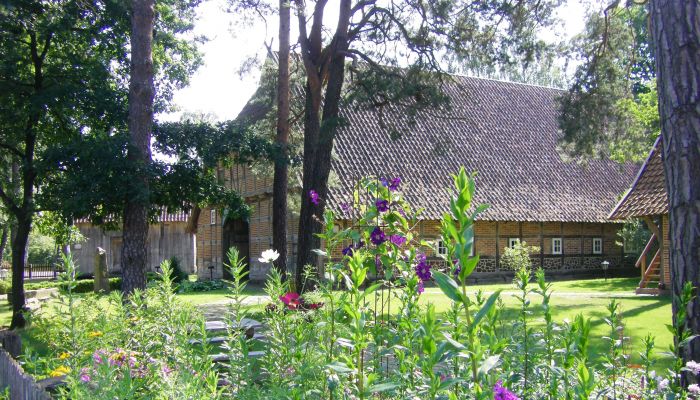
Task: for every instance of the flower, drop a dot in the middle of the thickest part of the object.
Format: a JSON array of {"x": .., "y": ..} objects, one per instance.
[
  {"x": 693, "y": 367},
  {"x": 291, "y": 300},
  {"x": 63, "y": 355},
  {"x": 95, "y": 334},
  {"x": 694, "y": 389},
  {"x": 377, "y": 236},
  {"x": 382, "y": 205},
  {"x": 421, "y": 287},
  {"x": 378, "y": 262},
  {"x": 268, "y": 256},
  {"x": 457, "y": 268},
  {"x": 313, "y": 196},
  {"x": 99, "y": 356},
  {"x": 394, "y": 183},
  {"x": 84, "y": 375},
  {"x": 423, "y": 270},
  {"x": 352, "y": 247},
  {"x": 662, "y": 384},
  {"x": 346, "y": 207},
  {"x": 397, "y": 240},
  {"x": 501, "y": 393},
  {"x": 59, "y": 371}
]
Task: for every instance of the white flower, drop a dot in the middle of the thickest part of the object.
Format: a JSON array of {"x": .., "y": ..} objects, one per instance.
[
  {"x": 662, "y": 384},
  {"x": 269, "y": 256},
  {"x": 693, "y": 366},
  {"x": 694, "y": 388}
]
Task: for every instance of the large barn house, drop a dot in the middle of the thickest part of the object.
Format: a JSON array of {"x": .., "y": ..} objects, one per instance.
[{"x": 507, "y": 132}]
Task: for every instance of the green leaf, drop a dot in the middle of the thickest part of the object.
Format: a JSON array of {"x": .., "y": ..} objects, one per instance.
[
  {"x": 383, "y": 387},
  {"x": 340, "y": 368},
  {"x": 448, "y": 286},
  {"x": 489, "y": 364},
  {"x": 484, "y": 310}
]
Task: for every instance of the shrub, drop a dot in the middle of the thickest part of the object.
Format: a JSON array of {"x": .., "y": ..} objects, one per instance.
[
  {"x": 177, "y": 272},
  {"x": 201, "y": 286}
]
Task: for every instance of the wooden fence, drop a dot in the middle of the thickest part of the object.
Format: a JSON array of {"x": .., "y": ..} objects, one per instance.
[{"x": 22, "y": 386}]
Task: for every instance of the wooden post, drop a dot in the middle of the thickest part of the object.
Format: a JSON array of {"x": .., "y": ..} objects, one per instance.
[{"x": 101, "y": 282}]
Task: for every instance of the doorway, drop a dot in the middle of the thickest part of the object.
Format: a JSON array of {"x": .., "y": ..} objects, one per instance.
[{"x": 235, "y": 233}]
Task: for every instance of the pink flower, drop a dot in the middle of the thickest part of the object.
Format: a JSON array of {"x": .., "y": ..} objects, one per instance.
[
  {"x": 291, "y": 300},
  {"x": 84, "y": 376}
]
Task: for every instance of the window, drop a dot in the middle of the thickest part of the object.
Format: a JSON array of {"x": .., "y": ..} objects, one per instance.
[
  {"x": 213, "y": 217},
  {"x": 597, "y": 246},
  {"x": 513, "y": 241},
  {"x": 441, "y": 248},
  {"x": 556, "y": 246}
]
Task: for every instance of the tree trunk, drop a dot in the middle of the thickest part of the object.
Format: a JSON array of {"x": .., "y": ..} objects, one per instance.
[
  {"x": 19, "y": 257},
  {"x": 141, "y": 94},
  {"x": 279, "y": 185},
  {"x": 675, "y": 26},
  {"x": 3, "y": 241},
  {"x": 318, "y": 145}
]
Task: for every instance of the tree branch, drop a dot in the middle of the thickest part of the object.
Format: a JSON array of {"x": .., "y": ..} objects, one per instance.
[{"x": 11, "y": 149}]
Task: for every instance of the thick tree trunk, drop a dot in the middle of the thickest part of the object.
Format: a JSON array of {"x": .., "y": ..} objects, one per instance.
[
  {"x": 3, "y": 240},
  {"x": 318, "y": 146},
  {"x": 675, "y": 27},
  {"x": 279, "y": 185},
  {"x": 141, "y": 94},
  {"x": 19, "y": 257}
]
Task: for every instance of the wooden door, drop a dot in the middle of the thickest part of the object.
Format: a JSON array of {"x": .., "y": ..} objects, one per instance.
[{"x": 235, "y": 234}]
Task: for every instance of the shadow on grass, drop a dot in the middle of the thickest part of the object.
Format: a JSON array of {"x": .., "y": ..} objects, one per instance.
[{"x": 611, "y": 285}]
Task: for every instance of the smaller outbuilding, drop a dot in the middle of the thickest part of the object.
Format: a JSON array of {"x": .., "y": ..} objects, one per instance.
[
  {"x": 170, "y": 236},
  {"x": 647, "y": 200}
]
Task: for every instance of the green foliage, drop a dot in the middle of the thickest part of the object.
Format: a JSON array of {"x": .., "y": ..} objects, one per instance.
[
  {"x": 610, "y": 109},
  {"x": 634, "y": 236},
  {"x": 518, "y": 257},
  {"x": 201, "y": 286},
  {"x": 42, "y": 249}
]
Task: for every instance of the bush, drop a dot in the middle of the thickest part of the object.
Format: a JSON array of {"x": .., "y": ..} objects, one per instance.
[
  {"x": 178, "y": 274},
  {"x": 201, "y": 286}
]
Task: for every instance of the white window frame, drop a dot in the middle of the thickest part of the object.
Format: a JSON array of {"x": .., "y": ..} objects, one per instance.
[
  {"x": 598, "y": 241},
  {"x": 554, "y": 246},
  {"x": 212, "y": 217},
  {"x": 441, "y": 248},
  {"x": 512, "y": 241}
]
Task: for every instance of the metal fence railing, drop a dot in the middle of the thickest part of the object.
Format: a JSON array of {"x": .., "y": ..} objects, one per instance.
[{"x": 35, "y": 271}]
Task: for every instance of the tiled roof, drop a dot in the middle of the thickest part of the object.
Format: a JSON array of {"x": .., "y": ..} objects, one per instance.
[
  {"x": 648, "y": 193},
  {"x": 507, "y": 132},
  {"x": 164, "y": 216}
]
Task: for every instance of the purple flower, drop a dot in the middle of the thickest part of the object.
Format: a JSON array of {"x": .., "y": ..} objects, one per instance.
[
  {"x": 397, "y": 240},
  {"x": 382, "y": 205},
  {"x": 345, "y": 207},
  {"x": 378, "y": 262},
  {"x": 420, "y": 288},
  {"x": 313, "y": 196},
  {"x": 348, "y": 251},
  {"x": 457, "y": 268},
  {"x": 394, "y": 183},
  {"x": 423, "y": 268},
  {"x": 84, "y": 375},
  {"x": 377, "y": 236},
  {"x": 501, "y": 393}
]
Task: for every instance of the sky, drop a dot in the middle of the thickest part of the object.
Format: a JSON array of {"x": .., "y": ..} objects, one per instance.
[{"x": 219, "y": 89}]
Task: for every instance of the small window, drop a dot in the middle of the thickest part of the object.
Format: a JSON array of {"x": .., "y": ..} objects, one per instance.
[
  {"x": 512, "y": 242},
  {"x": 556, "y": 246},
  {"x": 597, "y": 246},
  {"x": 441, "y": 248},
  {"x": 213, "y": 217}
]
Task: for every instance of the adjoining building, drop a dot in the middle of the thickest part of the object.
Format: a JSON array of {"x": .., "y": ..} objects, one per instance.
[
  {"x": 507, "y": 132},
  {"x": 170, "y": 236},
  {"x": 647, "y": 200}
]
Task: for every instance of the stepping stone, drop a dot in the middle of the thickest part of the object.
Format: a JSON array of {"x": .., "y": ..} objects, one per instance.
[
  {"x": 246, "y": 323},
  {"x": 221, "y": 357},
  {"x": 221, "y": 339}
]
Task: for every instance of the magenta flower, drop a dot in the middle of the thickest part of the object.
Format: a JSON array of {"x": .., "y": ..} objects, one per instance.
[
  {"x": 313, "y": 196},
  {"x": 291, "y": 300},
  {"x": 501, "y": 393},
  {"x": 397, "y": 240},
  {"x": 382, "y": 205},
  {"x": 377, "y": 236}
]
